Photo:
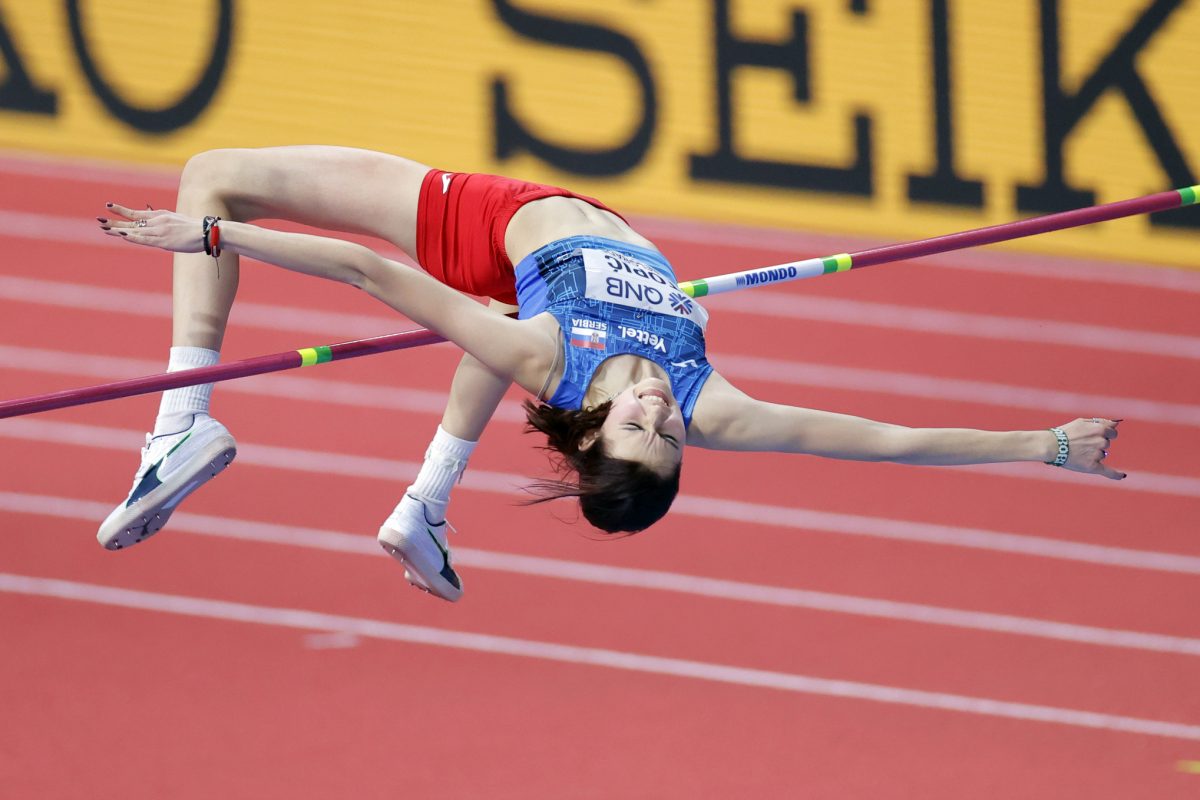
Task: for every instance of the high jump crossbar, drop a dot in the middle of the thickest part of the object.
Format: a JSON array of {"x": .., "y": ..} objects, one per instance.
[{"x": 762, "y": 276}]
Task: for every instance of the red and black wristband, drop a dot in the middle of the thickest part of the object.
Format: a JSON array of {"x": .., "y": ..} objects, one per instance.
[{"x": 212, "y": 236}]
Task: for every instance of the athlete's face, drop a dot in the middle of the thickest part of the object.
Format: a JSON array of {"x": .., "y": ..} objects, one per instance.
[{"x": 645, "y": 424}]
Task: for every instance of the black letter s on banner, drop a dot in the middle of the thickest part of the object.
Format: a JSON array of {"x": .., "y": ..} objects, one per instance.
[
  {"x": 512, "y": 136},
  {"x": 157, "y": 120}
]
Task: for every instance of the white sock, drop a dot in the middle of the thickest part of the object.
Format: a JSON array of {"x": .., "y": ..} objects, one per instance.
[
  {"x": 445, "y": 461},
  {"x": 177, "y": 407}
]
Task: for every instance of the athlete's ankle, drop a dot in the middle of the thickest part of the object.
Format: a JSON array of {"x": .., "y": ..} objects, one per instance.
[
  {"x": 442, "y": 468},
  {"x": 433, "y": 509},
  {"x": 178, "y": 406},
  {"x": 166, "y": 424}
]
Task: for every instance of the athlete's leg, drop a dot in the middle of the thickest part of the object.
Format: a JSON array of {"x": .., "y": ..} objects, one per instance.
[
  {"x": 474, "y": 395},
  {"x": 338, "y": 188},
  {"x": 334, "y": 187}
]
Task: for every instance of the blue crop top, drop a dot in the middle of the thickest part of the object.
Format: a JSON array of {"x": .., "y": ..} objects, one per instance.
[{"x": 612, "y": 298}]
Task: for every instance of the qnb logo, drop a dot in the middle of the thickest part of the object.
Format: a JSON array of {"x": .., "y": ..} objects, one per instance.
[
  {"x": 767, "y": 276},
  {"x": 641, "y": 293}
]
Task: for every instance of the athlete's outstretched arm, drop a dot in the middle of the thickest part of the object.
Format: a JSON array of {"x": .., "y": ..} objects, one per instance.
[
  {"x": 725, "y": 418},
  {"x": 510, "y": 349}
]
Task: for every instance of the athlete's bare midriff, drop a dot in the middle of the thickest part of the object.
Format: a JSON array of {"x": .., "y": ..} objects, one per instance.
[{"x": 540, "y": 222}]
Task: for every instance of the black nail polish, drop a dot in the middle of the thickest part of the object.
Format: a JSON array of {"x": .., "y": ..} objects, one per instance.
[
  {"x": 108, "y": 205},
  {"x": 101, "y": 219}
]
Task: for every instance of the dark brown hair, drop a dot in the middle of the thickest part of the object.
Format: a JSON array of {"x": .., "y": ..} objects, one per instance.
[{"x": 615, "y": 494}]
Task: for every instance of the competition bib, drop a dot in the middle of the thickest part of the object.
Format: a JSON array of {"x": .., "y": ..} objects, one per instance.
[{"x": 619, "y": 278}]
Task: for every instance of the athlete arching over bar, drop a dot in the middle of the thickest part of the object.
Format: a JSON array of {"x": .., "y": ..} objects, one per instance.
[{"x": 618, "y": 408}]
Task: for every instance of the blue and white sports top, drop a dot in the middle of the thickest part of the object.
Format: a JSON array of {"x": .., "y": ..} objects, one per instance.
[{"x": 612, "y": 298}]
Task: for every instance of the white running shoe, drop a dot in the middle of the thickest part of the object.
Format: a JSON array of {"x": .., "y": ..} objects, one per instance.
[
  {"x": 420, "y": 545},
  {"x": 173, "y": 466}
]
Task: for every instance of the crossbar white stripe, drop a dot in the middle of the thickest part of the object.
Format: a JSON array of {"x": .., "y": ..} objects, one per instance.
[
  {"x": 591, "y": 656},
  {"x": 794, "y": 373},
  {"x": 740, "y": 512},
  {"x": 559, "y": 569}
]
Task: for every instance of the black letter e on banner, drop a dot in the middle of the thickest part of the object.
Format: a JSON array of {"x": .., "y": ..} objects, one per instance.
[{"x": 791, "y": 56}]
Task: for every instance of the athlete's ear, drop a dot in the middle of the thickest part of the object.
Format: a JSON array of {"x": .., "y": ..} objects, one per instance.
[{"x": 589, "y": 439}]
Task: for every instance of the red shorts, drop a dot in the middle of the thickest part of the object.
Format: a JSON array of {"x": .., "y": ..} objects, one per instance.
[{"x": 461, "y": 221}]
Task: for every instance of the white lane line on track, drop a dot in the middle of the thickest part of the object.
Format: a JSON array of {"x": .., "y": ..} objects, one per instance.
[
  {"x": 1177, "y": 485},
  {"x": 958, "y": 323},
  {"x": 287, "y": 387},
  {"x": 795, "y": 373},
  {"x": 111, "y": 438},
  {"x": 952, "y": 389},
  {"x": 80, "y": 170},
  {"x": 158, "y": 305},
  {"x": 559, "y": 569},
  {"x": 572, "y": 654},
  {"x": 56, "y": 229},
  {"x": 762, "y": 303},
  {"x": 797, "y": 244},
  {"x": 736, "y": 511}
]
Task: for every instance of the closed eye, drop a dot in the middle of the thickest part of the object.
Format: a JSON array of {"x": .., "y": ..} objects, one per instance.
[{"x": 670, "y": 439}]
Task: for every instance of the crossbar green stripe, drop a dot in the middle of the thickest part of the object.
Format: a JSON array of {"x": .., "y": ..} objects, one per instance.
[
  {"x": 839, "y": 263},
  {"x": 315, "y": 355},
  {"x": 1188, "y": 196},
  {"x": 695, "y": 288}
]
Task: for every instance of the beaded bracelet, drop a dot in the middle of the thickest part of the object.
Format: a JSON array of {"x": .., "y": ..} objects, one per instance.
[{"x": 1064, "y": 447}]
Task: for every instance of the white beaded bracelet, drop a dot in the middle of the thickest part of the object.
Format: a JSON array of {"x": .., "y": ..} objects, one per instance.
[{"x": 1064, "y": 447}]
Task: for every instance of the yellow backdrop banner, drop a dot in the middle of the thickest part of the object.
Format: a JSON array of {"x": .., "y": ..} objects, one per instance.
[{"x": 897, "y": 119}]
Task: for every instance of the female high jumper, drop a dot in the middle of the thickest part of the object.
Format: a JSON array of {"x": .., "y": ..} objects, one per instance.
[{"x": 605, "y": 343}]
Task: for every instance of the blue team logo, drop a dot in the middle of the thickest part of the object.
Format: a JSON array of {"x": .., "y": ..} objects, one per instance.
[{"x": 680, "y": 302}]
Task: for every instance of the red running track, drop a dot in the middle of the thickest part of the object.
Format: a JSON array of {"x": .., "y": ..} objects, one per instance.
[{"x": 796, "y": 628}]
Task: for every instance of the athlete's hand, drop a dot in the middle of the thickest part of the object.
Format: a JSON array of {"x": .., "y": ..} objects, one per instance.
[
  {"x": 155, "y": 228},
  {"x": 1089, "y": 441}
]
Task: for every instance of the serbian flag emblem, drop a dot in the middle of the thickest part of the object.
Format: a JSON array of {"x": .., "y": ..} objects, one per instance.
[{"x": 588, "y": 338}]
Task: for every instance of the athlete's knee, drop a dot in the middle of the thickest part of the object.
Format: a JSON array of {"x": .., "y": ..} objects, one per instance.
[{"x": 212, "y": 175}]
